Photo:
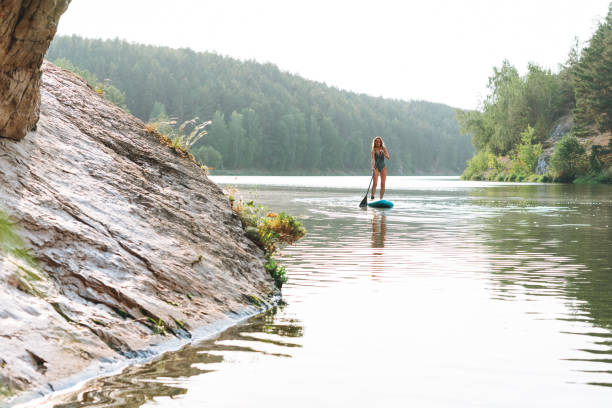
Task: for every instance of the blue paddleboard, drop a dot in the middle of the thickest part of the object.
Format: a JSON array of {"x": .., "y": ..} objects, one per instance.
[{"x": 381, "y": 204}]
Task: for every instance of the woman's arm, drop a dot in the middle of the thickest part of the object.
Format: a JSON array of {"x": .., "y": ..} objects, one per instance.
[
  {"x": 373, "y": 160},
  {"x": 386, "y": 153}
]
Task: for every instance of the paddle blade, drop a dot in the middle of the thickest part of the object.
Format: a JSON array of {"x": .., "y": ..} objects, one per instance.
[{"x": 364, "y": 202}]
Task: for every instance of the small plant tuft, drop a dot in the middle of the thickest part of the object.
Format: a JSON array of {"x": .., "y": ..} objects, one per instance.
[
  {"x": 181, "y": 140},
  {"x": 158, "y": 326},
  {"x": 277, "y": 272},
  {"x": 268, "y": 230}
]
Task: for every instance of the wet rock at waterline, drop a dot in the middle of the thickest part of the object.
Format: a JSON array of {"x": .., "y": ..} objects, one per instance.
[
  {"x": 26, "y": 30},
  {"x": 119, "y": 243}
]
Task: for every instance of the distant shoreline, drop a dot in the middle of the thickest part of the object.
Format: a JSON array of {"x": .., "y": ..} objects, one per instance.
[{"x": 306, "y": 173}]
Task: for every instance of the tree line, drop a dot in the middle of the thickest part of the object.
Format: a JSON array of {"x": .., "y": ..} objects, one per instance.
[
  {"x": 519, "y": 113},
  {"x": 264, "y": 118}
]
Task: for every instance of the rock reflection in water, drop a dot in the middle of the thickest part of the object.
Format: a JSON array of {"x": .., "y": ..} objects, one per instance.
[{"x": 166, "y": 376}]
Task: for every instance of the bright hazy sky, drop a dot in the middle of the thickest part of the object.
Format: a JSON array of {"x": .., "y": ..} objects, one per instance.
[{"x": 435, "y": 50}]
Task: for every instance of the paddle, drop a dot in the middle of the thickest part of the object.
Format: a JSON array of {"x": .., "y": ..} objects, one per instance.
[{"x": 364, "y": 202}]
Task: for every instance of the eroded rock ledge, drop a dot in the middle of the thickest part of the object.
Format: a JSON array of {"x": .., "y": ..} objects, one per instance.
[{"x": 132, "y": 244}]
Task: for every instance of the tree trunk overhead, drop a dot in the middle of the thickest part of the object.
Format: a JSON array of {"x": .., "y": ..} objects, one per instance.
[{"x": 26, "y": 30}]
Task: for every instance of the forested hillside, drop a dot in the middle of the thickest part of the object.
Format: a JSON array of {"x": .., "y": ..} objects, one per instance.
[
  {"x": 519, "y": 116},
  {"x": 267, "y": 119}
]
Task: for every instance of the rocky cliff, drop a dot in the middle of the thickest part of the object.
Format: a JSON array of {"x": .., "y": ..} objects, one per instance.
[
  {"x": 119, "y": 244},
  {"x": 562, "y": 126}
]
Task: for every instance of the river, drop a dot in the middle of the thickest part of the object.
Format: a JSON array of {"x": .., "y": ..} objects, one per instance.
[{"x": 464, "y": 294}]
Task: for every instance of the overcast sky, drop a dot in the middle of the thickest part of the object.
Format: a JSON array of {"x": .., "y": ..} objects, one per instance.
[{"x": 435, "y": 50}]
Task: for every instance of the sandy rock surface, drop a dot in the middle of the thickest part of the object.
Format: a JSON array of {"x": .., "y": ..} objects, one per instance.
[{"x": 128, "y": 244}]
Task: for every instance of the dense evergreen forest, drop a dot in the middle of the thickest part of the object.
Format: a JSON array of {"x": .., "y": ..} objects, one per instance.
[
  {"x": 267, "y": 119},
  {"x": 511, "y": 129}
]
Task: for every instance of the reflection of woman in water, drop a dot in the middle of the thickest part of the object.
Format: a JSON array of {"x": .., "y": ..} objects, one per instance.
[
  {"x": 379, "y": 168},
  {"x": 379, "y": 229}
]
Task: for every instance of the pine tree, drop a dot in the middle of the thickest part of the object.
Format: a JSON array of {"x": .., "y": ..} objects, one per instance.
[{"x": 593, "y": 80}]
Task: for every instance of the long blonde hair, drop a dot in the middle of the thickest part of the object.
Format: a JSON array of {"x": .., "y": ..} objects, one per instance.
[{"x": 382, "y": 142}]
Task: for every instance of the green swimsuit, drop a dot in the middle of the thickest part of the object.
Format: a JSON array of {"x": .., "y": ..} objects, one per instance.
[{"x": 379, "y": 160}]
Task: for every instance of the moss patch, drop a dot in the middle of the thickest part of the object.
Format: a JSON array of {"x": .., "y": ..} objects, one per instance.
[
  {"x": 122, "y": 313},
  {"x": 12, "y": 244},
  {"x": 5, "y": 390},
  {"x": 255, "y": 301},
  {"x": 278, "y": 272}
]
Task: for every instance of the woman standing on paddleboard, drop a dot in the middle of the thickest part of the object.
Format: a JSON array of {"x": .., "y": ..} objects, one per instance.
[{"x": 379, "y": 168}]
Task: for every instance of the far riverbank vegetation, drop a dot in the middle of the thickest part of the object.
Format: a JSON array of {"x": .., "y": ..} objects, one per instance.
[
  {"x": 267, "y": 120},
  {"x": 546, "y": 126}
]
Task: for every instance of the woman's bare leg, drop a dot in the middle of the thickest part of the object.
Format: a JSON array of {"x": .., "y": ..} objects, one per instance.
[
  {"x": 383, "y": 178},
  {"x": 374, "y": 183}
]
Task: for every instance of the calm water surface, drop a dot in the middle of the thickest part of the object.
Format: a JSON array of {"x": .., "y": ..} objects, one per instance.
[{"x": 464, "y": 294}]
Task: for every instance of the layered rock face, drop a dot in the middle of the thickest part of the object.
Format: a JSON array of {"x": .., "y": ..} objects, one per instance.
[
  {"x": 125, "y": 243},
  {"x": 26, "y": 30},
  {"x": 559, "y": 129}
]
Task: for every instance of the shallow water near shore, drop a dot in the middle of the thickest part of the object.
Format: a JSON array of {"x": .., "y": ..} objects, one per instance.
[{"x": 464, "y": 294}]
